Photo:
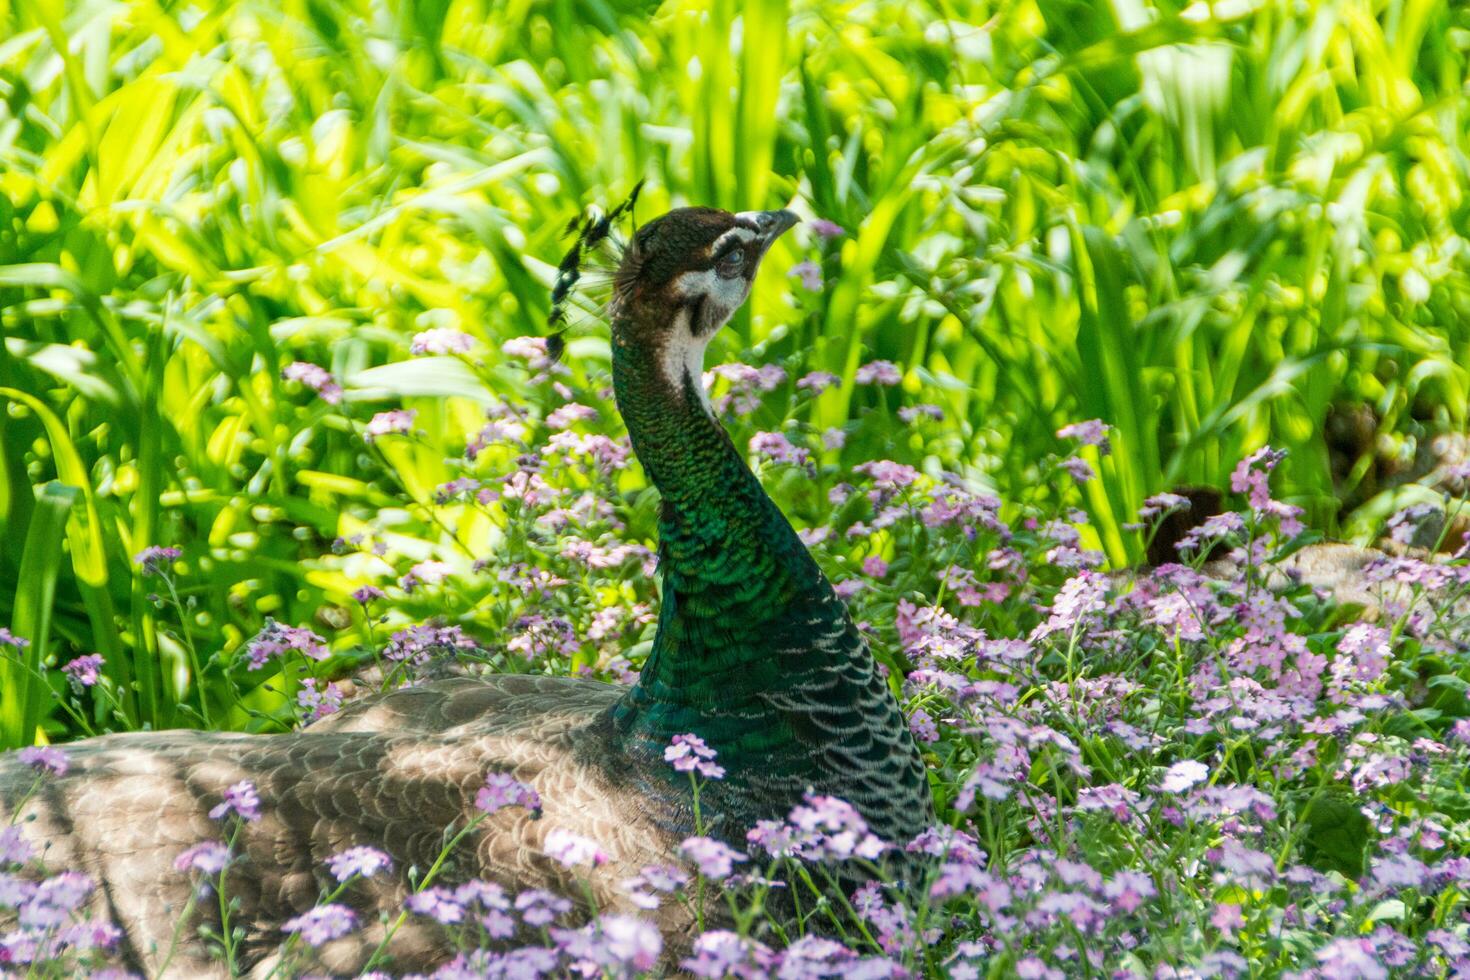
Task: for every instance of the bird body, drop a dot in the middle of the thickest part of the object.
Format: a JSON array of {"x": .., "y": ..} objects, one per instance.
[{"x": 754, "y": 653}]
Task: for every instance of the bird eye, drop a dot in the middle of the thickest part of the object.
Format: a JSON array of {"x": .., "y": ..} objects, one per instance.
[{"x": 731, "y": 262}]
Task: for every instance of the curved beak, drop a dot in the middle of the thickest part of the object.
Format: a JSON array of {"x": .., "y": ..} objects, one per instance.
[{"x": 771, "y": 224}]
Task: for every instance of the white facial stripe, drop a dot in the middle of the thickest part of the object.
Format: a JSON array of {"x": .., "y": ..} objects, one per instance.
[
  {"x": 700, "y": 283},
  {"x": 738, "y": 233},
  {"x": 683, "y": 357}
]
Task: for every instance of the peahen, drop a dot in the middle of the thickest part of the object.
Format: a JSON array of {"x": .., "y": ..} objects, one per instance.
[{"x": 754, "y": 652}]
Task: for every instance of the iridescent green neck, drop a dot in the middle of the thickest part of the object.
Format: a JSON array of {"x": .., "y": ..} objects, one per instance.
[{"x": 745, "y": 608}]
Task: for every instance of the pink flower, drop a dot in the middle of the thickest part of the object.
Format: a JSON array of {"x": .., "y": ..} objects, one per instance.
[
  {"x": 569, "y": 849},
  {"x": 530, "y": 349},
  {"x": 441, "y": 340},
  {"x": 1227, "y": 919},
  {"x": 1253, "y": 474},
  {"x": 826, "y": 229},
  {"x": 564, "y": 416},
  {"x": 688, "y": 753},
  {"x": 630, "y": 941},
  {"x": 399, "y": 421},
  {"x": 715, "y": 859},
  {"x": 1129, "y": 889},
  {"x": 83, "y": 671},
  {"x": 503, "y": 790},
  {"x": 875, "y": 567},
  {"x": 239, "y": 799},
  {"x": 316, "y": 703},
  {"x": 275, "y": 640},
  {"x": 316, "y": 378},
  {"x": 210, "y": 857}
]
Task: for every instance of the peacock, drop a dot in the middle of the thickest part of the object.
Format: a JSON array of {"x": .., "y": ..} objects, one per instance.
[{"x": 754, "y": 653}]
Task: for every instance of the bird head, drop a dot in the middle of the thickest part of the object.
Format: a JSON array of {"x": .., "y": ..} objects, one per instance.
[
  {"x": 682, "y": 276},
  {"x": 695, "y": 264}
]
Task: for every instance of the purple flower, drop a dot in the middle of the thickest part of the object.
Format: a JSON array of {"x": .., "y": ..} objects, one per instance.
[
  {"x": 875, "y": 567},
  {"x": 322, "y": 924},
  {"x": 1129, "y": 889},
  {"x": 719, "y": 954},
  {"x": 275, "y": 640},
  {"x": 826, "y": 229},
  {"x": 9, "y": 639},
  {"x": 367, "y": 594},
  {"x": 14, "y": 849},
  {"x": 45, "y": 759},
  {"x": 611, "y": 945},
  {"x": 809, "y": 273},
  {"x": 688, "y": 753},
  {"x": 439, "y": 904},
  {"x": 82, "y": 672},
  {"x": 399, "y": 421},
  {"x": 1093, "y": 432},
  {"x": 359, "y": 861},
  {"x": 441, "y": 340},
  {"x": 503, "y": 790},
  {"x": 912, "y": 413},
  {"x": 316, "y": 378},
  {"x": 1080, "y": 599},
  {"x": 239, "y": 799},
  {"x": 569, "y": 849},
  {"x": 878, "y": 373},
  {"x": 1351, "y": 959},
  {"x": 316, "y": 704},
  {"x": 655, "y": 879},
  {"x": 417, "y": 644},
  {"x": 1253, "y": 474},
  {"x": 541, "y": 908},
  {"x": 923, "y": 727},
  {"x": 818, "y": 381},
  {"x": 1078, "y": 468},
  {"x": 776, "y": 447},
  {"x": 157, "y": 560},
  {"x": 210, "y": 857},
  {"x": 1162, "y": 503},
  {"x": 1398, "y": 871},
  {"x": 714, "y": 859}
]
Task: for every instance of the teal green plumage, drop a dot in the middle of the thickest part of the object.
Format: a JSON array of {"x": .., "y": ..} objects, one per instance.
[{"x": 754, "y": 651}]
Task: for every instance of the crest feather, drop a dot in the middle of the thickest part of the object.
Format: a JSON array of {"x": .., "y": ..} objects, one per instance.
[{"x": 592, "y": 232}]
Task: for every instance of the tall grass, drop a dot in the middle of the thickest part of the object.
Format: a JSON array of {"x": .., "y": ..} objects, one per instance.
[{"x": 1210, "y": 226}]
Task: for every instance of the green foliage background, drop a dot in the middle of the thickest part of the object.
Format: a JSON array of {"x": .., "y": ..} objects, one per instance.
[{"x": 1212, "y": 226}]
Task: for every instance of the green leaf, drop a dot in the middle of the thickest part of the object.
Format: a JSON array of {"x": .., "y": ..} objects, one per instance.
[
  {"x": 1337, "y": 833},
  {"x": 23, "y": 694}
]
